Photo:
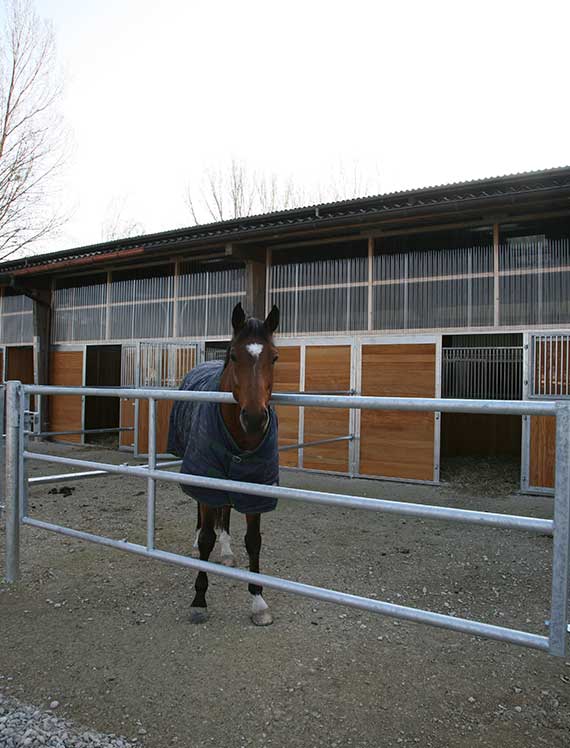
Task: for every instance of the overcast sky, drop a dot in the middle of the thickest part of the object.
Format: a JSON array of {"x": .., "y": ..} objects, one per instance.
[{"x": 415, "y": 93}]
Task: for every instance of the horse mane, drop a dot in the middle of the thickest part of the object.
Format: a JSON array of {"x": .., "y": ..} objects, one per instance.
[{"x": 252, "y": 328}]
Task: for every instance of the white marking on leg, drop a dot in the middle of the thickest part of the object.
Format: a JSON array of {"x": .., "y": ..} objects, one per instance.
[
  {"x": 254, "y": 349},
  {"x": 258, "y": 604},
  {"x": 225, "y": 546}
]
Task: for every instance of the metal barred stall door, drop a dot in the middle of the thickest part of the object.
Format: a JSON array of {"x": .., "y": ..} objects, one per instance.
[
  {"x": 160, "y": 365},
  {"x": 548, "y": 378},
  {"x": 18, "y": 512}
]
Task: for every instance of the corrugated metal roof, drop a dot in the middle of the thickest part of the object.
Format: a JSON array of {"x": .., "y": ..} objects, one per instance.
[{"x": 458, "y": 193}]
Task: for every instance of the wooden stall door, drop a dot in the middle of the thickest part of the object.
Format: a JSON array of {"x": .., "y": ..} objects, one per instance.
[
  {"x": 163, "y": 408},
  {"x": 551, "y": 378},
  {"x": 542, "y": 451},
  {"x": 66, "y": 411},
  {"x": 398, "y": 444},
  {"x": 20, "y": 364},
  {"x": 327, "y": 368},
  {"x": 127, "y": 415},
  {"x": 287, "y": 379}
]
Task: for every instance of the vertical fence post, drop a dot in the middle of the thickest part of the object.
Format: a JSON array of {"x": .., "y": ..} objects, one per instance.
[
  {"x": 12, "y": 482},
  {"x": 2, "y": 447},
  {"x": 22, "y": 445},
  {"x": 561, "y": 544},
  {"x": 151, "y": 483}
]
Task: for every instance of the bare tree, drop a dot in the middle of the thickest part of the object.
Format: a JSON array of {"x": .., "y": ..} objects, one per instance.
[
  {"x": 237, "y": 191},
  {"x": 32, "y": 137},
  {"x": 116, "y": 224}
]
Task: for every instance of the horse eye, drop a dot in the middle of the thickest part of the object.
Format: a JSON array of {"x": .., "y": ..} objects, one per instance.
[{"x": 275, "y": 359}]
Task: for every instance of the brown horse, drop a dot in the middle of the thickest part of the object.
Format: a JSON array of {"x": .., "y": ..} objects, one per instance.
[{"x": 236, "y": 441}]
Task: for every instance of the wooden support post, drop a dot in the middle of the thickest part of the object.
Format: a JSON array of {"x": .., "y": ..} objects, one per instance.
[
  {"x": 42, "y": 335},
  {"x": 255, "y": 288}
]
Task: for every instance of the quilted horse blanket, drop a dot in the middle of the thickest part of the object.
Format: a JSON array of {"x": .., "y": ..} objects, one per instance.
[{"x": 198, "y": 435}]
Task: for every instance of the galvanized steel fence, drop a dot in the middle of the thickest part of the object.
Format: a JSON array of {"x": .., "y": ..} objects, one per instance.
[{"x": 17, "y": 456}]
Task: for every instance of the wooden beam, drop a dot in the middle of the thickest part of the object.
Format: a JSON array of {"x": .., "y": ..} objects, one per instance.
[
  {"x": 253, "y": 252},
  {"x": 255, "y": 288}
]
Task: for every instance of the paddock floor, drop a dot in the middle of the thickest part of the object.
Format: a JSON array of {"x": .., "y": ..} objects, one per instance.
[{"x": 108, "y": 636}]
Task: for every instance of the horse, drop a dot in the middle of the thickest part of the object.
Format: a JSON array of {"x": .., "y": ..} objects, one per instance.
[{"x": 231, "y": 440}]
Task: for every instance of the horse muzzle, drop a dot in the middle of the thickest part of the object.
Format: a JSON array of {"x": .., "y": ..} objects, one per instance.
[{"x": 254, "y": 422}]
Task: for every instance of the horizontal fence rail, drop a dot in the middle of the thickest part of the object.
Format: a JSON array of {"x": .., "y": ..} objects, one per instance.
[
  {"x": 559, "y": 527},
  {"x": 357, "y": 402}
]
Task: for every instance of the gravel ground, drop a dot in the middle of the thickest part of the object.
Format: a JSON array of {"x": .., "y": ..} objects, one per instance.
[
  {"x": 22, "y": 725},
  {"x": 107, "y": 634}
]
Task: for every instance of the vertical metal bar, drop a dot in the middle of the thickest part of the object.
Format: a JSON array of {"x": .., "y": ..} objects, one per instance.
[
  {"x": 268, "y": 276},
  {"x": 24, "y": 406},
  {"x": 549, "y": 365},
  {"x": 12, "y": 483},
  {"x": 437, "y": 416},
  {"x": 301, "y": 428},
  {"x": 496, "y": 284},
  {"x": 175, "y": 301},
  {"x": 2, "y": 446},
  {"x": 406, "y": 297},
  {"x": 151, "y": 483},
  {"x": 370, "y": 281},
  {"x": 561, "y": 540},
  {"x": 108, "y": 306}
]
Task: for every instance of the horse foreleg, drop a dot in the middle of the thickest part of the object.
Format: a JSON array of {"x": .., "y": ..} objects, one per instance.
[
  {"x": 195, "y": 547},
  {"x": 227, "y": 557},
  {"x": 260, "y": 613},
  {"x": 206, "y": 542}
]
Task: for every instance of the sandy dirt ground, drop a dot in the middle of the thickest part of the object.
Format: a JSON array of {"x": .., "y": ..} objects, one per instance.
[{"x": 107, "y": 635}]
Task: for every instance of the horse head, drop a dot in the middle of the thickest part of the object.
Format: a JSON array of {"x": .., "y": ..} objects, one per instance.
[{"x": 249, "y": 366}]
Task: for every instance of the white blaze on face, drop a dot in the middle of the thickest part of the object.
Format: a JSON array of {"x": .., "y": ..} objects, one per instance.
[{"x": 254, "y": 350}]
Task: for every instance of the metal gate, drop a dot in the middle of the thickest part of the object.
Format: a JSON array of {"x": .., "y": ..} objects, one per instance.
[
  {"x": 548, "y": 378},
  {"x": 483, "y": 373},
  {"x": 17, "y": 512},
  {"x": 150, "y": 364}
]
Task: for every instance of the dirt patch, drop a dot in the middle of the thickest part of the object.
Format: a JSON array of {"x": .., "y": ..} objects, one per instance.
[{"x": 107, "y": 634}]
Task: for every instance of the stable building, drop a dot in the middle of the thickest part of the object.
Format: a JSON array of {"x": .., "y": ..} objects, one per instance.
[{"x": 460, "y": 291}]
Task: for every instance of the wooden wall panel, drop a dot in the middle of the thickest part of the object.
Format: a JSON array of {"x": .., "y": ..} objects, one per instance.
[
  {"x": 286, "y": 379},
  {"x": 542, "y": 451},
  {"x": 326, "y": 368},
  {"x": 65, "y": 411},
  {"x": 163, "y": 408},
  {"x": 398, "y": 444},
  {"x": 127, "y": 438},
  {"x": 20, "y": 364}
]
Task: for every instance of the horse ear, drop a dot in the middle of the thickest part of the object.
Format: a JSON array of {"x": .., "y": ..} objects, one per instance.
[
  {"x": 238, "y": 317},
  {"x": 272, "y": 321}
]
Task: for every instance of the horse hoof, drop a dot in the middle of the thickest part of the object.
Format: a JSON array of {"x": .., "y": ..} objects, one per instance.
[
  {"x": 228, "y": 560},
  {"x": 198, "y": 615},
  {"x": 262, "y": 618}
]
